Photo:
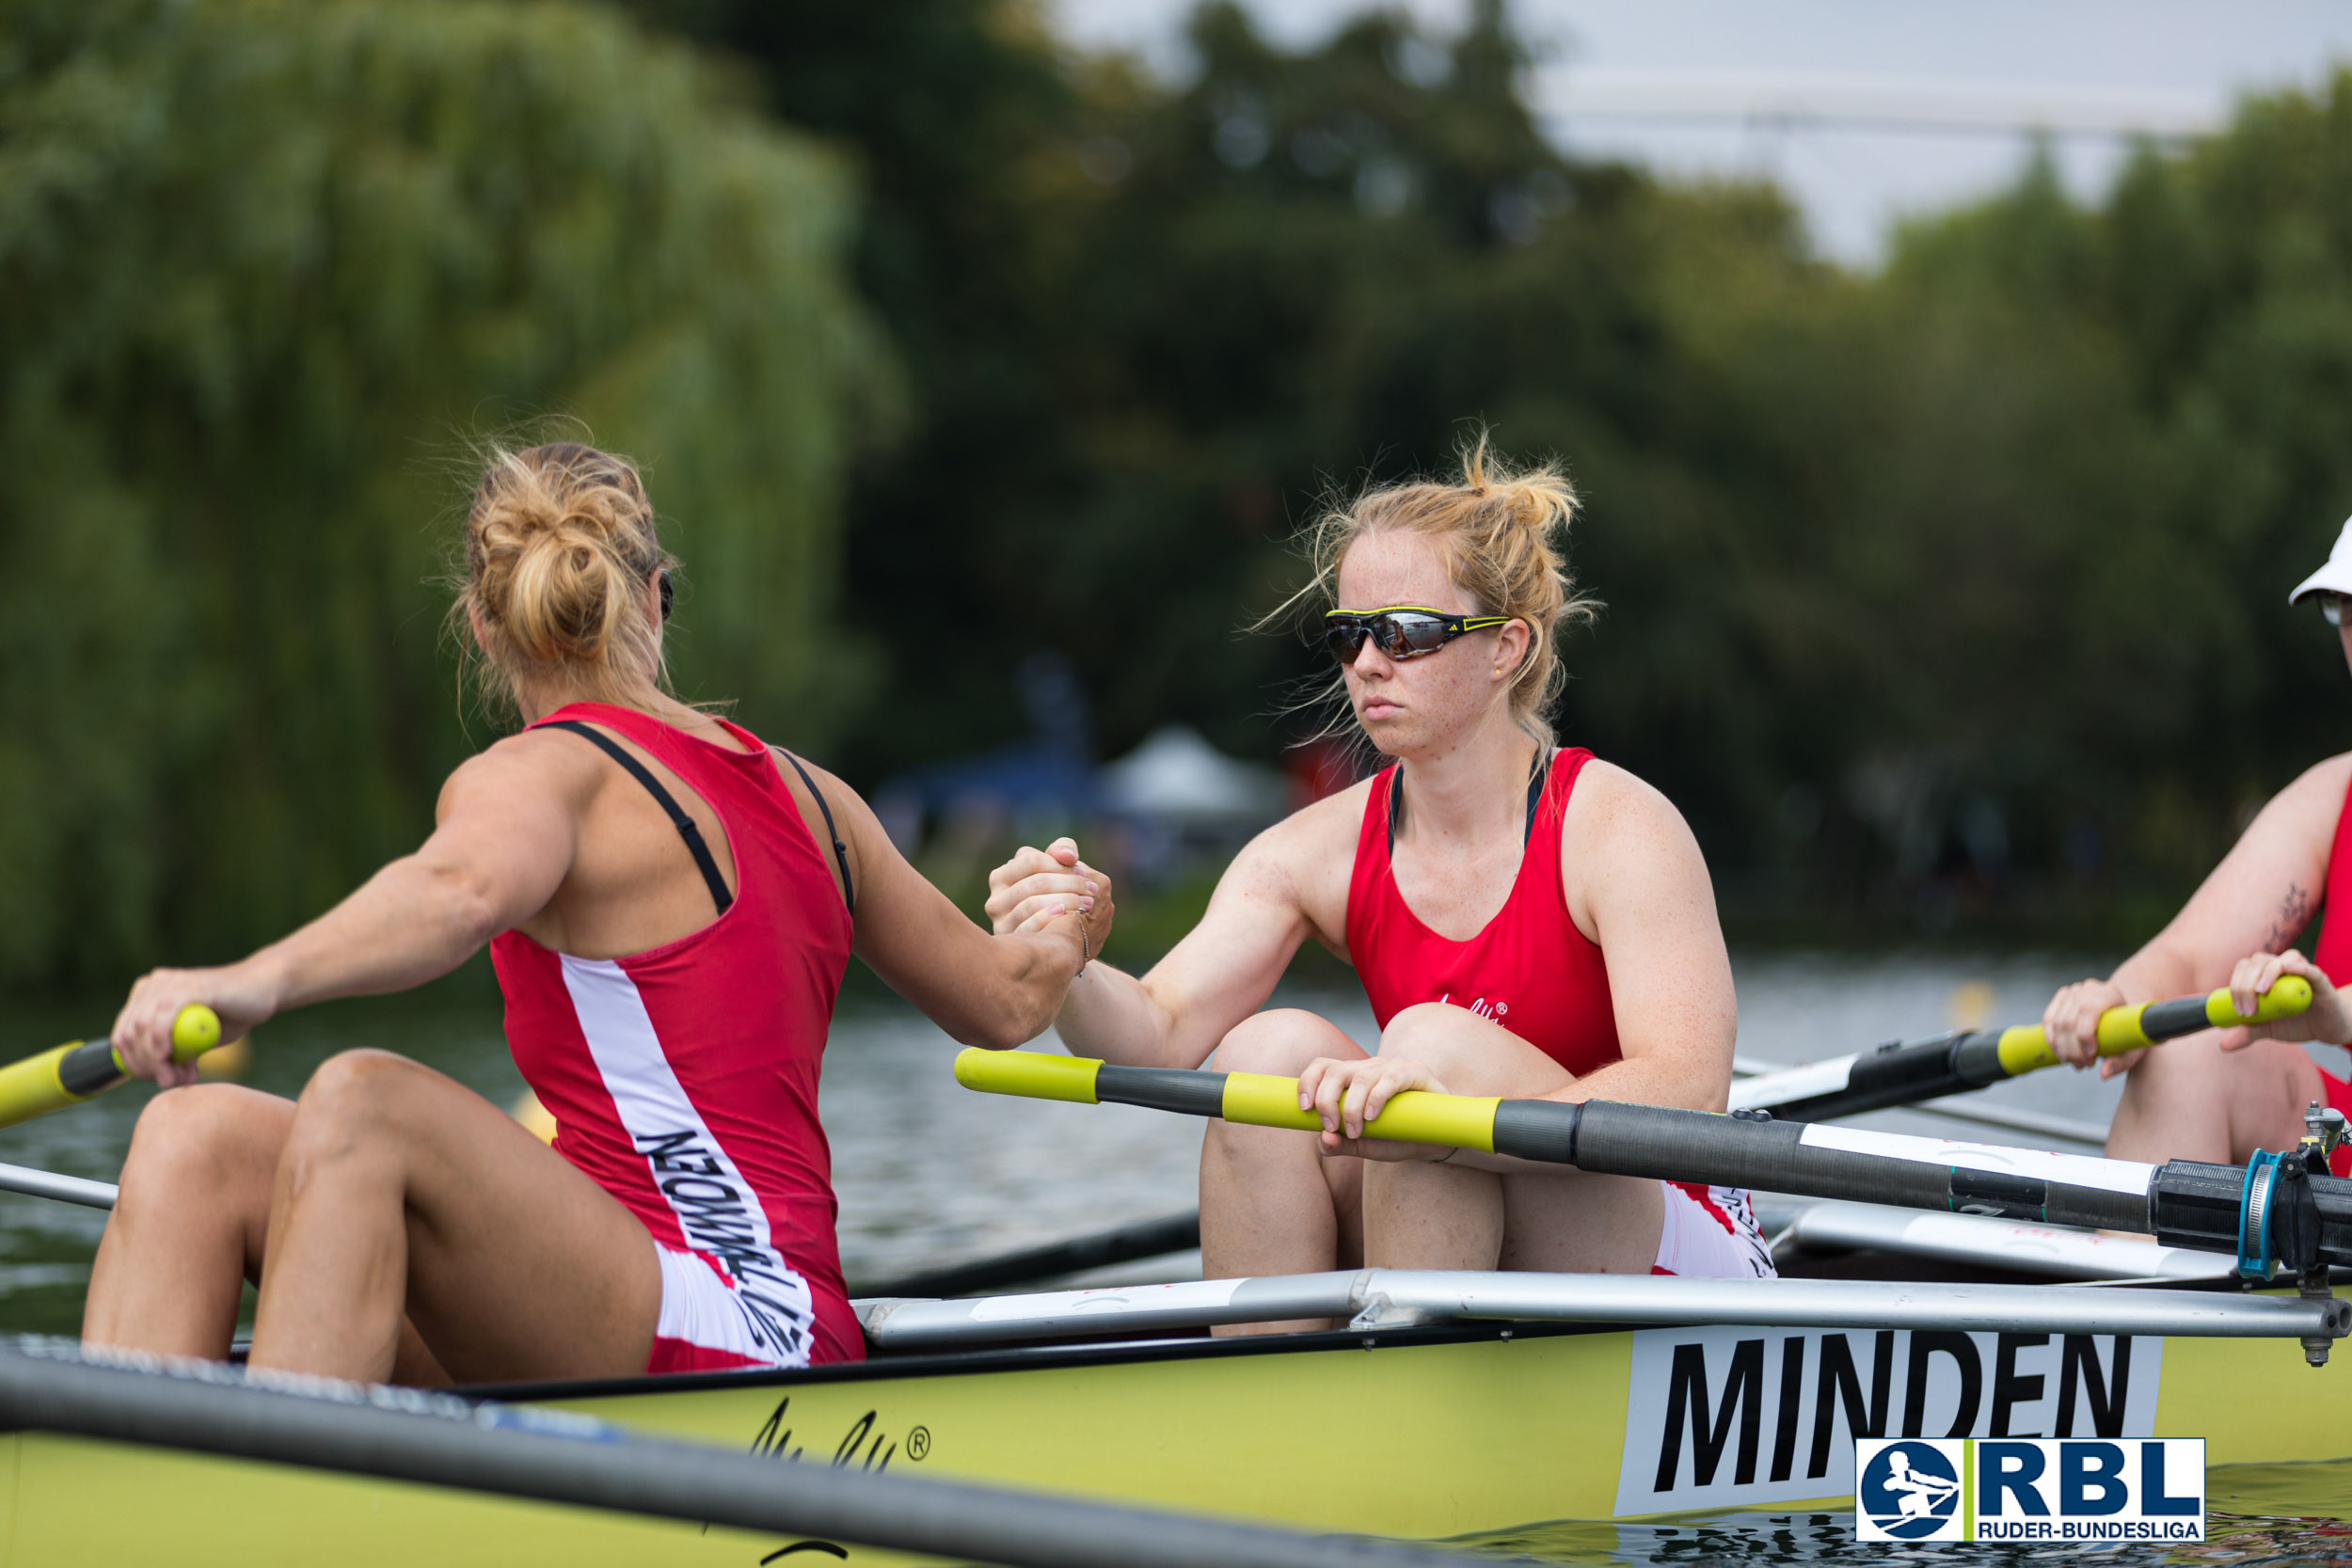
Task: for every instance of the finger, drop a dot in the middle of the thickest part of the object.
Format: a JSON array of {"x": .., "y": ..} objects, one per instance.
[
  {"x": 1030, "y": 889},
  {"x": 1064, "y": 849},
  {"x": 1029, "y": 911},
  {"x": 2250, "y": 978},
  {"x": 1352, "y": 1108},
  {"x": 1307, "y": 1078},
  {"x": 1328, "y": 1090},
  {"x": 1016, "y": 866},
  {"x": 1028, "y": 860},
  {"x": 1389, "y": 1085},
  {"x": 2242, "y": 1036},
  {"x": 2115, "y": 1066}
]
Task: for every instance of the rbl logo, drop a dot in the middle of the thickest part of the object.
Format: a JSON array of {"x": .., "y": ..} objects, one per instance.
[
  {"x": 1907, "y": 1491},
  {"x": 2071, "y": 1489}
]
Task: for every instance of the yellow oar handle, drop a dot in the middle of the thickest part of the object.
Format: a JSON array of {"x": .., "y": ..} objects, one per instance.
[
  {"x": 71, "y": 1073},
  {"x": 1255, "y": 1099},
  {"x": 2144, "y": 1024},
  {"x": 196, "y": 1031}
]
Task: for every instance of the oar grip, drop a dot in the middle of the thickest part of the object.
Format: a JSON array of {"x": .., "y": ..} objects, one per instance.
[
  {"x": 2140, "y": 1024},
  {"x": 196, "y": 1031},
  {"x": 1031, "y": 1074},
  {"x": 71, "y": 1073},
  {"x": 1254, "y": 1099},
  {"x": 2289, "y": 996}
]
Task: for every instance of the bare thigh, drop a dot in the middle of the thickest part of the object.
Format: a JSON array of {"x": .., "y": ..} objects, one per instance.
[
  {"x": 192, "y": 1225},
  {"x": 509, "y": 1263},
  {"x": 2191, "y": 1100},
  {"x": 1484, "y": 1212},
  {"x": 1271, "y": 1202}
]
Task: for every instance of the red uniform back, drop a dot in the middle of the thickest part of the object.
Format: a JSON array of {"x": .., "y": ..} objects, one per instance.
[{"x": 683, "y": 1079}]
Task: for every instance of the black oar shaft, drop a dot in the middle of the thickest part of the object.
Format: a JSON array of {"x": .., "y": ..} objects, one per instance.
[
  {"x": 2275, "y": 1213},
  {"x": 1128, "y": 1243},
  {"x": 1688, "y": 1145},
  {"x": 1905, "y": 1074}
]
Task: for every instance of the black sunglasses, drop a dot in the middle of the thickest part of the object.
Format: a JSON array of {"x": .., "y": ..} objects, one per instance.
[{"x": 1400, "y": 631}]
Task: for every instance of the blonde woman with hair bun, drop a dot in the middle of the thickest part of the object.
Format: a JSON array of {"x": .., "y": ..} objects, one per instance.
[
  {"x": 670, "y": 904},
  {"x": 1527, "y": 921}
]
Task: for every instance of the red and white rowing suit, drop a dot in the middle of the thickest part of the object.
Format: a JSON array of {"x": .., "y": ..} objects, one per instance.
[
  {"x": 2333, "y": 954},
  {"x": 683, "y": 1079},
  {"x": 1533, "y": 973}
]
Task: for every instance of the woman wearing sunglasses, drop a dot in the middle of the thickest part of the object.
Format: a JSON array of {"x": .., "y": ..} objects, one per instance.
[
  {"x": 2221, "y": 1096},
  {"x": 669, "y": 904},
  {"x": 1527, "y": 921}
]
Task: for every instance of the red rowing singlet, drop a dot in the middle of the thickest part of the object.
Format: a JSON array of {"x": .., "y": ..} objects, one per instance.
[
  {"x": 1530, "y": 970},
  {"x": 2332, "y": 953},
  {"x": 683, "y": 1079}
]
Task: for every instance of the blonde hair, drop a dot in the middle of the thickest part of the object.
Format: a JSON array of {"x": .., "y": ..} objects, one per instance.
[
  {"x": 1502, "y": 528},
  {"x": 558, "y": 545}
]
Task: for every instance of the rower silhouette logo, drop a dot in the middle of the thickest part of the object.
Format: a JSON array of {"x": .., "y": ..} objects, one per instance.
[{"x": 1909, "y": 1490}]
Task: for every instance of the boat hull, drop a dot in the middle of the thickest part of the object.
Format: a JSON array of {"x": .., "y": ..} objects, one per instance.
[{"x": 1417, "y": 1434}]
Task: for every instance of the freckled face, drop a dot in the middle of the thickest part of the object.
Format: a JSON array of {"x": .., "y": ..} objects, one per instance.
[{"x": 1421, "y": 706}]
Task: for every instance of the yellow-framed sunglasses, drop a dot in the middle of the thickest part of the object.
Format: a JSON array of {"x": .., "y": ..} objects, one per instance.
[{"x": 1400, "y": 631}]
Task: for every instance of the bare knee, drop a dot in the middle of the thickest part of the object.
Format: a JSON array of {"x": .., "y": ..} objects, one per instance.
[
  {"x": 205, "y": 1131},
  {"x": 1281, "y": 1041},
  {"x": 1429, "y": 1033},
  {"x": 353, "y": 1099}
]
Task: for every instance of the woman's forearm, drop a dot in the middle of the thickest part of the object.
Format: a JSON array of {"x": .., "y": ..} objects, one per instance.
[
  {"x": 1644, "y": 1081},
  {"x": 2159, "y": 969},
  {"x": 1109, "y": 1014},
  {"x": 413, "y": 921}
]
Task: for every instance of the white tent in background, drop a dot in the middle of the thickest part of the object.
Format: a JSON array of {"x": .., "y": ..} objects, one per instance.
[{"x": 1178, "y": 778}]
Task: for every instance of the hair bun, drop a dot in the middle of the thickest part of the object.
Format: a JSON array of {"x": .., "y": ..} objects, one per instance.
[
  {"x": 560, "y": 541},
  {"x": 1503, "y": 530}
]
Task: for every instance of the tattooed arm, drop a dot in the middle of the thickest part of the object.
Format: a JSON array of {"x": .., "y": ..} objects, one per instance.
[{"x": 2258, "y": 900}]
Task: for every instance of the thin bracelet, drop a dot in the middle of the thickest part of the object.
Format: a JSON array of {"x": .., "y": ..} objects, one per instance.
[{"x": 1447, "y": 1155}]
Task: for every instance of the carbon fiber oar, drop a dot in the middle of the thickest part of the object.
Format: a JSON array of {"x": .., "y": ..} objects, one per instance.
[
  {"x": 1905, "y": 1073},
  {"x": 2279, "y": 1212},
  {"x": 68, "y": 1074}
]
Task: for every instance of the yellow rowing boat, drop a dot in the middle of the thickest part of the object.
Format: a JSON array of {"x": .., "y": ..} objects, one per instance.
[{"x": 1422, "y": 1431}]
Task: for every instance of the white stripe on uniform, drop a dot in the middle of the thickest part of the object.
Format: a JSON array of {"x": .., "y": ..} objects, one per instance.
[{"x": 717, "y": 1211}]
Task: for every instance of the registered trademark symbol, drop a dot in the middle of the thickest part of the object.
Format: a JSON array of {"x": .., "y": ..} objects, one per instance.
[{"x": 918, "y": 1442}]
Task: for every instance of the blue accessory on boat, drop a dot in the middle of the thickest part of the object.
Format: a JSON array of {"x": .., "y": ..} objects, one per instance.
[{"x": 2253, "y": 1215}]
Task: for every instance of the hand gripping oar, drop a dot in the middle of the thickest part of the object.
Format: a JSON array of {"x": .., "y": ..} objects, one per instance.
[
  {"x": 1900, "y": 1074},
  {"x": 71, "y": 1073},
  {"x": 2279, "y": 1212}
]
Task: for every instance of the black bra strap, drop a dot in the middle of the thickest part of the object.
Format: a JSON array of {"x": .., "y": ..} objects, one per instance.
[
  {"x": 1537, "y": 776},
  {"x": 840, "y": 851},
  {"x": 679, "y": 819}
]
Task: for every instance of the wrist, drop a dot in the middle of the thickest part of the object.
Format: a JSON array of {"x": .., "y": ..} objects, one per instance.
[{"x": 265, "y": 982}]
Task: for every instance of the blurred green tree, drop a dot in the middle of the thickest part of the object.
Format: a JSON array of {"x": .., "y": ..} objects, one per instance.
[
  {"x": 1957, "y": 580},
  {"x": 266, "y": 265}
]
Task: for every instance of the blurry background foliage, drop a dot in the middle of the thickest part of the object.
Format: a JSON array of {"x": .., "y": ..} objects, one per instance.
[
  {"x": 1948, "y": 596},
  {"x": 264, "y": 265}
]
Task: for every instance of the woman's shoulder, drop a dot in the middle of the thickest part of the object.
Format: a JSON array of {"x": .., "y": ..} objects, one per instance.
[
  {"x": 1315, "y": 830},
  {"x": 1608, "y": 797},
  {"x": 2329, "y": 776},
  {"x": 2308, "y": 808}
]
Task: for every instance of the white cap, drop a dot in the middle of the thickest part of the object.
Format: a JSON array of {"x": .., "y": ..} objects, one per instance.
[{"x": 2334, "y": 577}]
